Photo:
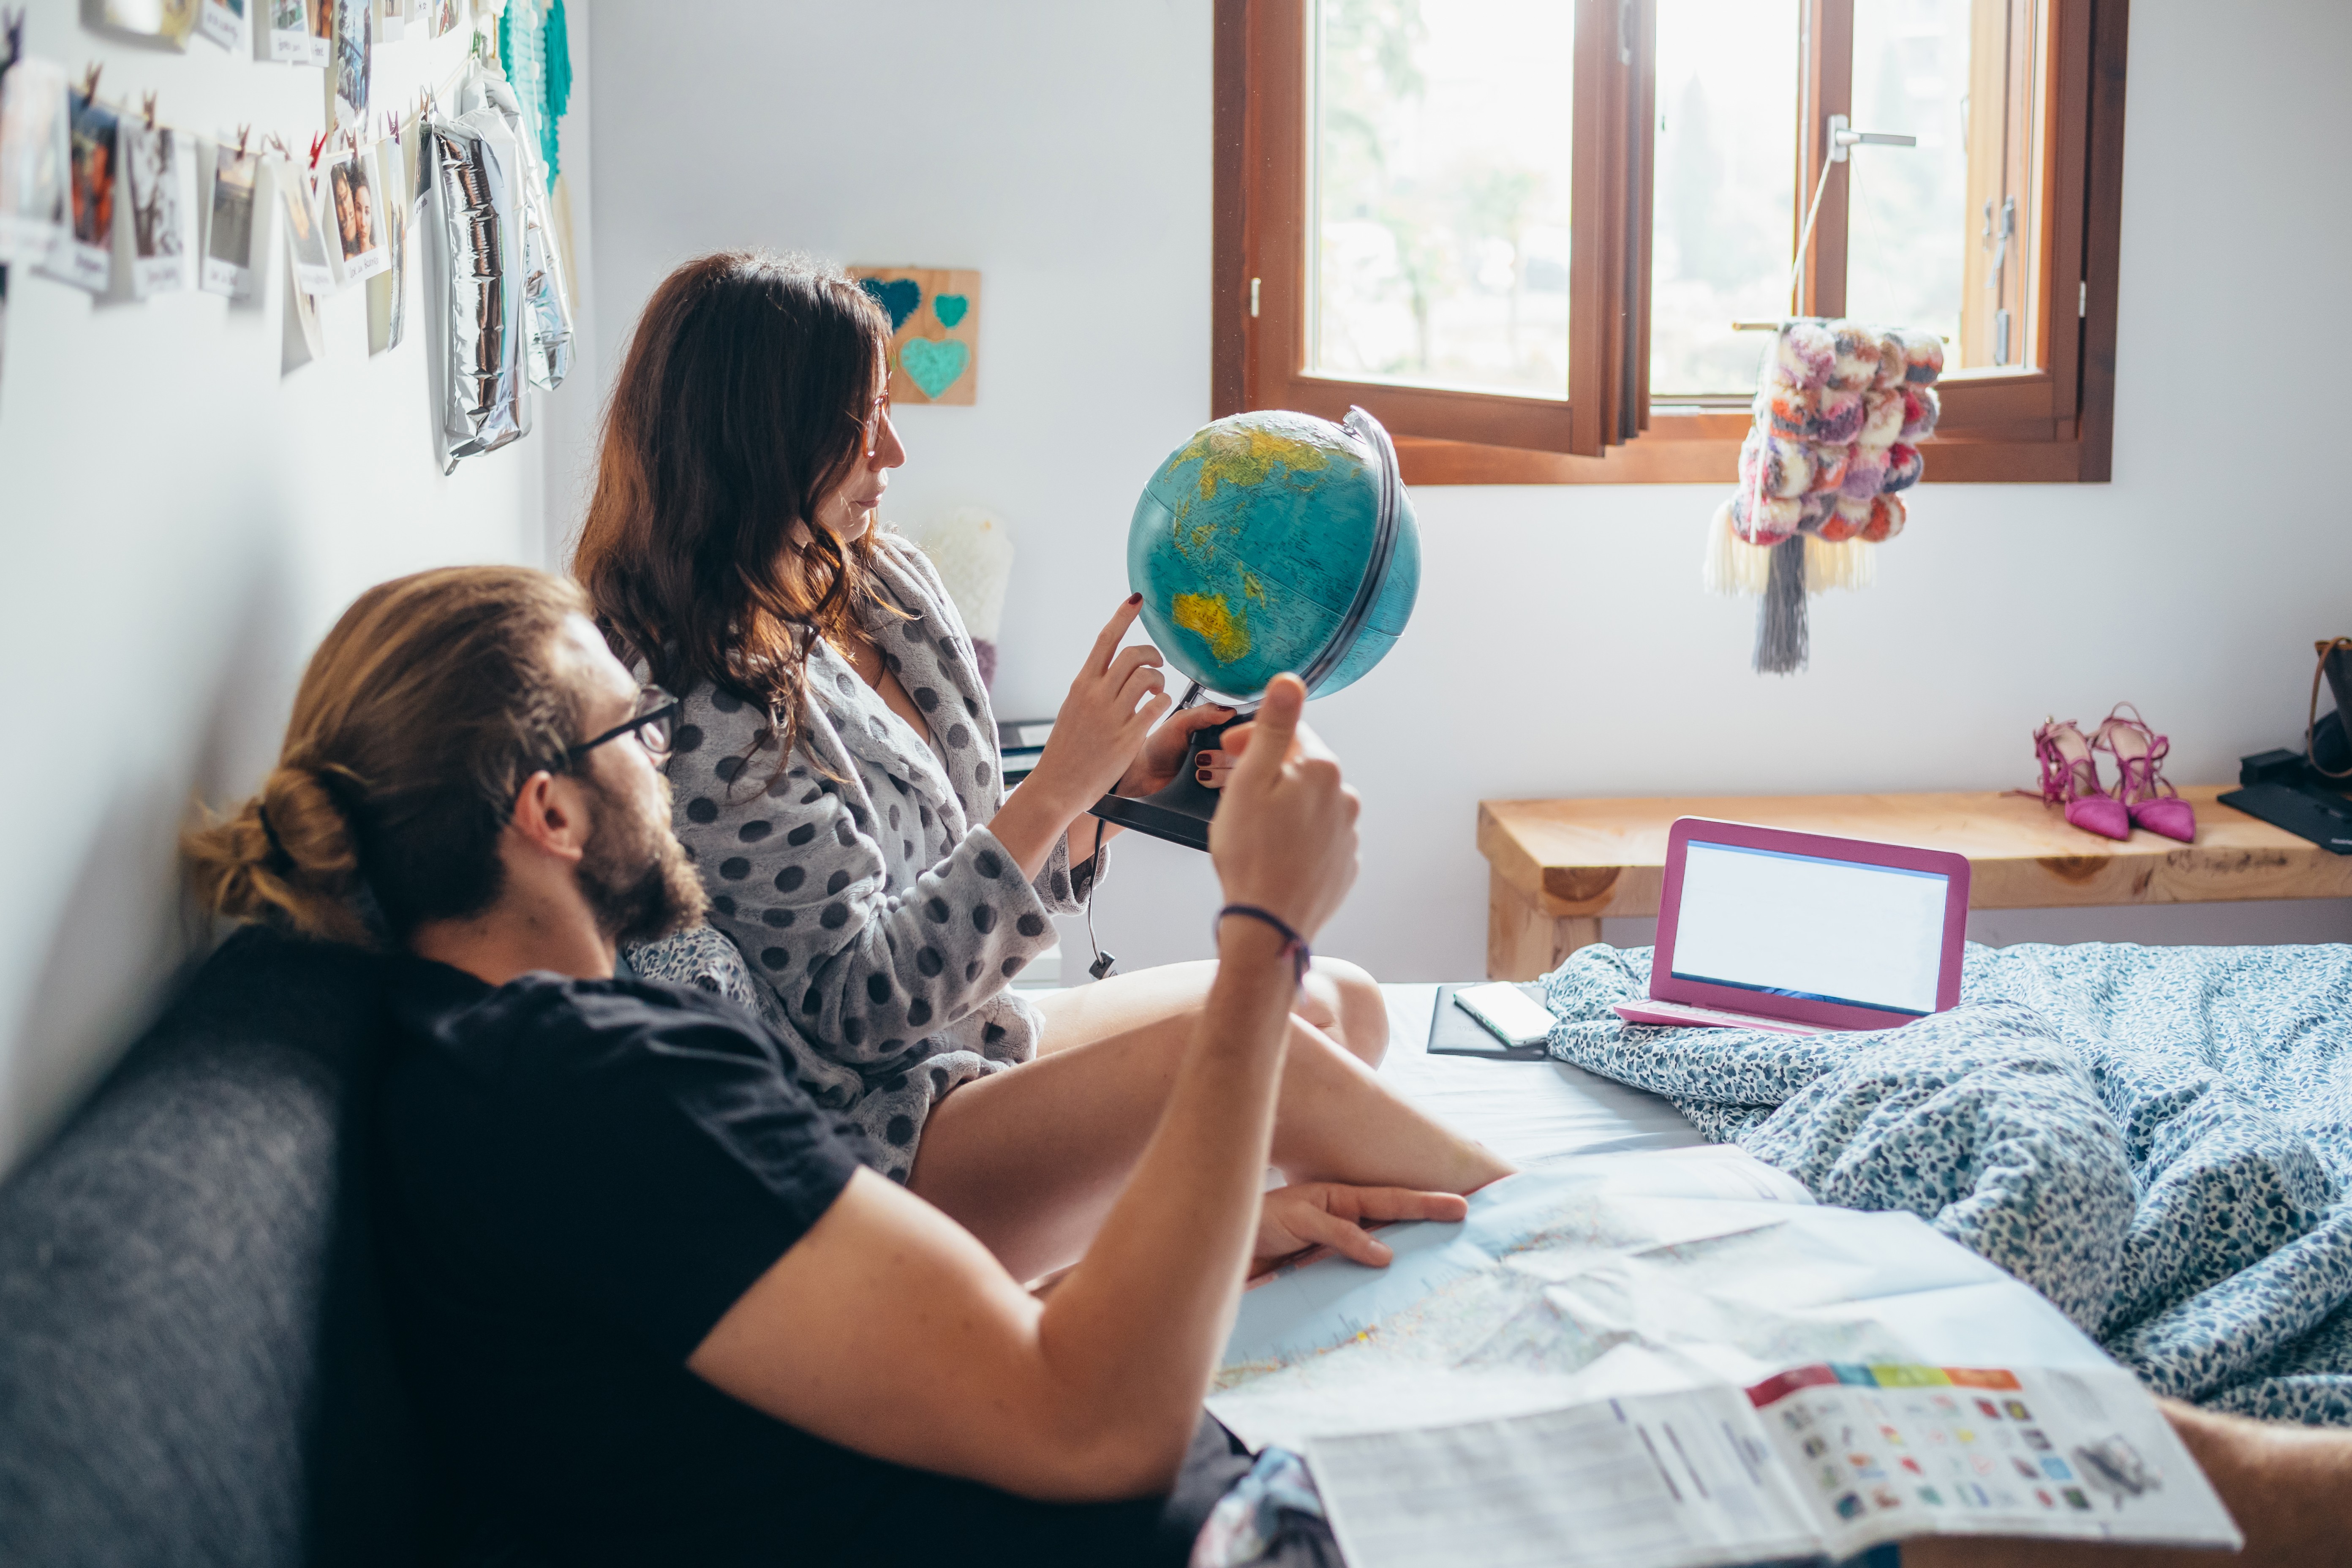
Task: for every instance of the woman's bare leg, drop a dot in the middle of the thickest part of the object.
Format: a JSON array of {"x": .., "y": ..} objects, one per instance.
[
  {"x": 1030, "y": 1161},
  {"x": 1339, "y": 998}
]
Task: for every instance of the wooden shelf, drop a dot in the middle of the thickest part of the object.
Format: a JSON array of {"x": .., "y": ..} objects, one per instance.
[{"x": 1558, "y": 866}]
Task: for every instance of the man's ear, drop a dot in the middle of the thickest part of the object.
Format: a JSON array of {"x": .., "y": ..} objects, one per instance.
[{"x": 551, "y": 815}]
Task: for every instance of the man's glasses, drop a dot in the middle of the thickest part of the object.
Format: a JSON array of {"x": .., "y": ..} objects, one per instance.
[
  {"x": 656, "y": 714},
  {"x": 876, "y": 417}
]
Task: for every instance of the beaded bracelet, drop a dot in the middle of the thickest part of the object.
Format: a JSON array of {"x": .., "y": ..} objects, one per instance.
[{"x": 1301, "y": 955}]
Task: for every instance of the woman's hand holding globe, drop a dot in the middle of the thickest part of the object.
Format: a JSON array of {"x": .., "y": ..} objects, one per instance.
[{"x": 1103, "y": 735}]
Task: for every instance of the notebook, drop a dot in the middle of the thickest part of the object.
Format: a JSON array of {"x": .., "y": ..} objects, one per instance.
[{"x": 1763, "y": 929}]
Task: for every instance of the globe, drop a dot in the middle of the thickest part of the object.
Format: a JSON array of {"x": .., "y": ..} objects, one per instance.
[{"x": 1275, "y": 541}]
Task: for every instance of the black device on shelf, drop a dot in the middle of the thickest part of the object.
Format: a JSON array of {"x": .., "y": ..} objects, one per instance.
[{"x": 2284, "y": 790}]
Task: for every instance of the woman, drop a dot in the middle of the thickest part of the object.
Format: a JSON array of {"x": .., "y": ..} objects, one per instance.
[{"x": 835, "y": 777}]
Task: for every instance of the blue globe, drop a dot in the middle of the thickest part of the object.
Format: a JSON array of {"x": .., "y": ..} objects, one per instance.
[{"x": 1275, "y": 541}]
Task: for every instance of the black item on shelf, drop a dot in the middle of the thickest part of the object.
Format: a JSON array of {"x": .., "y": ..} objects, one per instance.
[{"x": 2284, "y": 790}]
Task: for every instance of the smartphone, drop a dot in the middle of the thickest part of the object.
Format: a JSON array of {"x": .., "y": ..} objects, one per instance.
[{"x": 1506, "y": 1013}]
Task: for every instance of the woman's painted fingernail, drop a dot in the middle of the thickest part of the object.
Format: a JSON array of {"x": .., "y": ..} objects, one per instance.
[{"x": 1135, "y": 598}]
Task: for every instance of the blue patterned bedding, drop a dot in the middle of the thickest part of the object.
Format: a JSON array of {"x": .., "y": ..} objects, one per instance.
[{"x": 2158, "y": 1140}]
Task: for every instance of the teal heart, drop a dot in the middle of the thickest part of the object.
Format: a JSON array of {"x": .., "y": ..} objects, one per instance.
[
  {"x": 949, "y": 307},
  {"x": 934, "y": 362},
  {"x": 899, "y": 297}
]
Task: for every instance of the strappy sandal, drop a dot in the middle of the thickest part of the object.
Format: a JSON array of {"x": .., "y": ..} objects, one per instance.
[
  {"x": 2140, "y": 785},
  {"x": 2070, "y": 777}
]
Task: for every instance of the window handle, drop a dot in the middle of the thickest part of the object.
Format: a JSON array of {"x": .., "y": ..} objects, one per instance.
[{"x": 1844, "y": 136}]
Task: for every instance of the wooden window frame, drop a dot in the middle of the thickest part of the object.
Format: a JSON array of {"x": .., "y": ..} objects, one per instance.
[{"x": 2049, "y": 420}]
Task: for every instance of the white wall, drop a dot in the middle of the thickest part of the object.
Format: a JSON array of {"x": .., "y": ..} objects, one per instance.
[
  {"x": 183, "y": 518},
  {"x": 1561, "y": 645}
]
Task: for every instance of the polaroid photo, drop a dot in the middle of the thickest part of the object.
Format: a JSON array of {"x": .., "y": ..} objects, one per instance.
[
  {"x": 165, "y": 21},
  {"x": 222, "y": 22},
  {"x": 354, "y": 57},
  {"x": 352, "y": 203},
  {"x": 306, "y": 243},
  {"x": 391, "y": 21},
  {"x": 301, "y": 307},
  {"x": 35, "y": 141},
  {"x": 86, "y": 259},
  {"x": 228, "y": 245},
  {"x": 440, "y": 17},
  {"x": 319, "y": 20},
  {"x": 388, "y": 290},
  {"x": 289, "y": 30},
  {"x": 154, "y": 166}
]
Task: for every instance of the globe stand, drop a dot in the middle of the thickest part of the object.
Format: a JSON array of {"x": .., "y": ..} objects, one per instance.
[{"x": 1181, "y": 813}]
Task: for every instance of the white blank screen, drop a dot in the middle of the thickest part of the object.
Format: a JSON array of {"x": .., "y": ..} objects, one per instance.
[{"x": 1797, "y": 925}]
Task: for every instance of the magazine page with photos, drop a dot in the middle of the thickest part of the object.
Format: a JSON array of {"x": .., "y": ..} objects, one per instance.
[{"x": 1608, "y": 1353}]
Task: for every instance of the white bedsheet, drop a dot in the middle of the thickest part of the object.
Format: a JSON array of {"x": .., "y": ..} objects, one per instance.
[{"x": 1529, "y": 1112}]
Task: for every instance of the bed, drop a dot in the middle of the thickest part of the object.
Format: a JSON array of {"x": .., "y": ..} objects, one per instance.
[{"x": 2158, "y": 1140}]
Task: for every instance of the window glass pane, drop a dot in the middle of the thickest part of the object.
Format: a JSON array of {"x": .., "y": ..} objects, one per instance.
[
  {"x": 1724, "y": 184},
  {"x": 1442, "y": 176},
  {"x": 1925, "y": 228}
]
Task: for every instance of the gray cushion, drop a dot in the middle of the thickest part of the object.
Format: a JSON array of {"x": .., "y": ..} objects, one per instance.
[{"x": 192, "y": 1366}]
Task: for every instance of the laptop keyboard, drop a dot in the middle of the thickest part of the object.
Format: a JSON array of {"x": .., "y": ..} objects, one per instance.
[{"x": 1718, "y": 1018}]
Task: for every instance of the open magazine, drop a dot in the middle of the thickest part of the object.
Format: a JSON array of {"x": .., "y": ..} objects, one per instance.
[{"x": 1611, "y": 1364}]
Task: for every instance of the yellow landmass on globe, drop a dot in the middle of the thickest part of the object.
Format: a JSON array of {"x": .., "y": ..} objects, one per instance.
[
  {"x": 1240, "y": 456},
  {"x": 1215, "y": 622}
]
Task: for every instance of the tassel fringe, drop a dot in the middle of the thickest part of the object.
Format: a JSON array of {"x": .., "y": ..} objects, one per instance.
[
  {"x": 1736, "y": 569},
  {"x": 1852, "y": 565},
  {"x": 1732, "y": 566}
]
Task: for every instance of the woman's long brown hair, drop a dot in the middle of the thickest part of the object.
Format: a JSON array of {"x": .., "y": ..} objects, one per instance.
[{"x": 740, "y": 406}]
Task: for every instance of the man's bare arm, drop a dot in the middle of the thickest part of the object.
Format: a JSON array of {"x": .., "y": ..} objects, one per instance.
[{"x": 891, "y": 1329}]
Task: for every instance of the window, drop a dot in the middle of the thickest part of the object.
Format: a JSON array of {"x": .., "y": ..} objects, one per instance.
[{"x": 1543, "y": 240}]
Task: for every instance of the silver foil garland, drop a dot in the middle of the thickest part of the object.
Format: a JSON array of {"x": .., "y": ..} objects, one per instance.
[
  {"x": 547, "y": 299},
  {"x": 473, "y": 214}
]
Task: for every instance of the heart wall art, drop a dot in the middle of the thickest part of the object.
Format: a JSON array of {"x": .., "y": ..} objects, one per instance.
[{"x": 934, "y": 330}]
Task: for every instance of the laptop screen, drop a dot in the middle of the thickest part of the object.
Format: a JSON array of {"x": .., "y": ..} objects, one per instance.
[{"x": 1798, "y": 925}]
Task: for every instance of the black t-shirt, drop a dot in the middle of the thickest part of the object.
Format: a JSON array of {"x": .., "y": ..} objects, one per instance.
[{"x": 582, "y": 1176}]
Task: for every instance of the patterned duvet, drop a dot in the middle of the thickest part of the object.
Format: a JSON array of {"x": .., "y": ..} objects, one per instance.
[{"x": 2158, "y": 1140}]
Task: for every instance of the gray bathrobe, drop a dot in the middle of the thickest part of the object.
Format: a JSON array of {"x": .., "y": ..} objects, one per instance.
[{"x": 867, "y": 912}]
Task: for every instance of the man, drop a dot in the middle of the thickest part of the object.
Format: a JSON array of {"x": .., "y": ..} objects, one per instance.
[{"x": 657, "y": 1308}]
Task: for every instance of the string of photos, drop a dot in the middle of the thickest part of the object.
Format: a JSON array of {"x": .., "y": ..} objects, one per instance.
[{"x": 466, "y": 178}]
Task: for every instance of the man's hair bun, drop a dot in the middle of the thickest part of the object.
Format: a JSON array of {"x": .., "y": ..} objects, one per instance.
[{"x": 287, "y": 854}]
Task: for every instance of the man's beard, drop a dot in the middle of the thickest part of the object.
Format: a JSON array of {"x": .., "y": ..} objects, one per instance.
[{"x": 635, "y": 876}]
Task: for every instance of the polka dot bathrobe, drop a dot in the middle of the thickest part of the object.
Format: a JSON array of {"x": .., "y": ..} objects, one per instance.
[{"x": 859, "y": 902}]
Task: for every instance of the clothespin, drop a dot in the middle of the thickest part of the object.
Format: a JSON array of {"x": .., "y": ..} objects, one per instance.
[
  {"x": 318, "y": 145},
  {"x": 273, "y": 141},
  {"x": 147, "y": 106},
  {"x": 12, "y": 36},
  {"x": 243, "y": 133},
  {"x": 90, "y": 82}
]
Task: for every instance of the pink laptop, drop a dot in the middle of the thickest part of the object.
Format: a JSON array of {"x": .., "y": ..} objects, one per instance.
[{"x": 1762, "y": 928}]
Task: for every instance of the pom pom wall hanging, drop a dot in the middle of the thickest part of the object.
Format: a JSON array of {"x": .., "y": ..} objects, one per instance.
[{"x": 1839, "y": 416}]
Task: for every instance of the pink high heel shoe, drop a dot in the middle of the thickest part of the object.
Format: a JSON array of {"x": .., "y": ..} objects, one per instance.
[
  {"x": 2070, "y": 775},
  {"x": 2140, "y": 784}
]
